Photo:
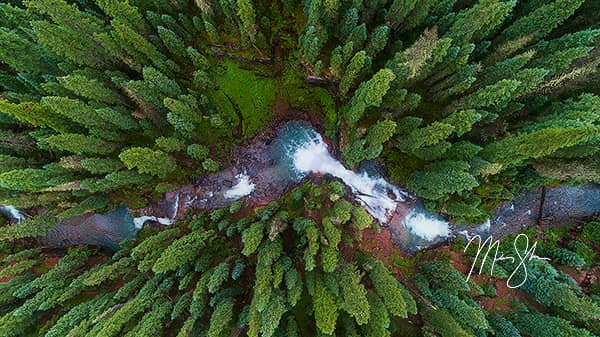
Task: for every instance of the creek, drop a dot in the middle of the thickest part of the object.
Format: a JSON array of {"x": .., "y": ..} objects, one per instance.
[{"x": 267, "y": 168}]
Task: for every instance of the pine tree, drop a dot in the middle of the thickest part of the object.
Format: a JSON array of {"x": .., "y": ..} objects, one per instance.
[
  {"x": 361, "y": 219},
  {"x": 31, "y": 55},
  {"x": 369, "y": 94},
  {"x": 33, "y": 180},
  {"x": 90, "y": 88},
  {"x": 330, "y": 252},
  {"x": 272, "y": 315},
  {"x": 358, "y": 36},
  {"x": 503, "y": 69},
  {"x": 537, "y": 325},
  {"x": 184, "y": 114},
  {"x": 354, "y": 294},
  {"x": 220, "y": 319},
  {"x": 537, "y": 24},
  {"x": 101, "y": 165},
  {"x": 441, "y": 322},
  {"x": 349, "y": 21},
  {"x": 75, "y": 110},
  {"x": 252, "y": 237},
  {"x": 219, "y": 275},
  {"x": 514, "y": 149},
  {"x": 398, "y": 10},
  {"x": 477, "y": 22},
  {"x": 381, "y": 132},
  {"x": 325, "y": 308},
  {"x": 387, "y": 287},
  {"x": 353, "y": 71},
  {"x": 173, "y": 42},
  {"x": 248, "y": 17},
  {"x": 152, "y": 322},
  {"x": 378, "y": 40},
  {"x": 181, "y": 252},
  {"x": 72, "y": 28},
  {"x": 123, "y": 10},
  {"x": 79, "y": 144},
  {"x": 145, "y": 160},
  {"x": 380, "y": 319},
  {"x": 33, "y": 227}
]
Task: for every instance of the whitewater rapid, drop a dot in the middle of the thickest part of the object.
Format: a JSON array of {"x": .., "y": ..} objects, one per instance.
[
  {"x": 375, "y": 194},
  {"x": 379, "y": 197},
  {"x": 242, "y": 188},
  {"x": 12, "y": 213}
]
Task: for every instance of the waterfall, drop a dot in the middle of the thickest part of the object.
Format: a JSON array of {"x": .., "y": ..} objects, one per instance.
[
  {"x": 308, "y": 153},
  {"x": 425, "y": 225},
  {"x": 242, "y": 188},
  {"x": 139, "y": 221},
  {"x": 12, "y": 213},
  {"x": 374, "y": 193}
]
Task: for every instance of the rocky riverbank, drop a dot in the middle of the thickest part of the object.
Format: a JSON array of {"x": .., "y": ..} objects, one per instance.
[{"x": 270, "y": 164}]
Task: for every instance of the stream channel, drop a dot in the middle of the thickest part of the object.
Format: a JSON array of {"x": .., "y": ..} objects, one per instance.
[{"x": 266, "y": 169}]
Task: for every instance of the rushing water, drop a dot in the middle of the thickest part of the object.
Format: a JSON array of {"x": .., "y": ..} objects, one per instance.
[
  {"x": 297, "y": 152},
  {"x": 242, "y": 188},
  {"x": 425, "y": 225},
  {"x": 304, "y": 152},
  {"x": 11, "y": 213}
]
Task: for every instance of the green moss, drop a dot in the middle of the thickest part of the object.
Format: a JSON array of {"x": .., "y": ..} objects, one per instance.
[
  {"x": 303, "y": 97},
  {"x": 406, "y": 265},
  {"x": 243, "y": 93}
]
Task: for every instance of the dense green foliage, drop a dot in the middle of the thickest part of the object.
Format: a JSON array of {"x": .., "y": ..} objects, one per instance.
[
  {"x": 114, "y": 102},
  {"x": 195, "y": 272},
  {"x": 459, "y": 100}
]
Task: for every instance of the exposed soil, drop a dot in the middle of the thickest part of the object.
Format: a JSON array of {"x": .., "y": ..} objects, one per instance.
[
  {"x": 380, "y": 245},
  {"x": 49, "y": 262}
]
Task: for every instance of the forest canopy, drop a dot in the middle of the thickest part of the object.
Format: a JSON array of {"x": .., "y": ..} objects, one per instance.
[{"x": 109, "y": 103}]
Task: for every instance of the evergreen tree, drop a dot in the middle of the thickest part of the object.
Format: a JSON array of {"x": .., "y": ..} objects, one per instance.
[
  {"x": 156, "y": 163},
  {"x": 353, "y": 71},
  {"x": 354, "y": 295},
  {"x": 378, "y": 40},
  {"x": 541, "y": 21},
  {"x": 369, "y": 94},
  {"x": 79, "y": 144},
  {"x": 248, "y": 17}
]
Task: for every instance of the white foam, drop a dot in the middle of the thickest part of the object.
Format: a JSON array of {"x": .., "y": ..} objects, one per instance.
[
  {"x": 426, "y": 226},
  {"x": 465, "y": 233},
  {"x": 243, "y": 187},
  {"x": 371, "y": 192},
  {"x": 176, "y": 205},
  {"x": 485, "y": 226},
  {"x": 139, "y": 221},
  {"x": 13, "y": 213}
]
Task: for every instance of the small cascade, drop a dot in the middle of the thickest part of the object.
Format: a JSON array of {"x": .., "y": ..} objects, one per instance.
[
  {"x": 12, "y": 213},
  {"x": 374, "y": 193},
  {"x": 242, "y": 188},
  {"x": 425, "y": 225},
  {"x": 303, "y": 152},
  {"x": 139, "y": 221},
  {"x": 268, "y": 168}
]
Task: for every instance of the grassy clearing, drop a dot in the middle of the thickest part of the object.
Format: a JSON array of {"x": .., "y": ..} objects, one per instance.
[{"x": 252, "y": 96}]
